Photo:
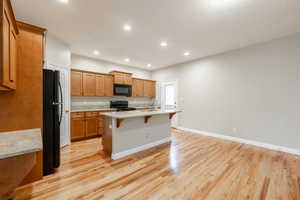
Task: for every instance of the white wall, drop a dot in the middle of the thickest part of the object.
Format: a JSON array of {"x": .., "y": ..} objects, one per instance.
[
  {"x": 89, "y": 64},
  {"x": 255, "y": 91},
  {"x": 57, "y": 52}
]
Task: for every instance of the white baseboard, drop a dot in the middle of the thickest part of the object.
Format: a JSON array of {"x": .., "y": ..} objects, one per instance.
[
  {"x": 122, "y": 154},
  {"x": 244, "y": 141}
]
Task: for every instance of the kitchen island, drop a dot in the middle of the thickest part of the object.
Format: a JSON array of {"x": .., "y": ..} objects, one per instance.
[{"x": 126, "y": 133}]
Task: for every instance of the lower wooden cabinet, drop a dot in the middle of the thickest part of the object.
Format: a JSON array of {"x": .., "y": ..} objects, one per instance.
[
  {"x": 86, "y": 125},
  {"x": 91, "y": 124},
  {"x": 78, "y": 128}
]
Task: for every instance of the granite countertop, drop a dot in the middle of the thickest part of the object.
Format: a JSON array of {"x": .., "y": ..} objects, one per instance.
[
  {"x": 17, "y": 143},
  {"x": 139, "y": 113}
]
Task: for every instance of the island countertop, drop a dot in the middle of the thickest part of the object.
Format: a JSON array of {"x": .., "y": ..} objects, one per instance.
[
  {"x": 17, "y": 143},
  {"x": 139, "y": 113}
]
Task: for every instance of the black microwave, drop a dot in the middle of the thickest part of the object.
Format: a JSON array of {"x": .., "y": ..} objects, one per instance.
[{"x": 122, "y": 90}]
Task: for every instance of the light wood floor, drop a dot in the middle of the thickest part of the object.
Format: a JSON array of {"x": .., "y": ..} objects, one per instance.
[{"x": 193, "y": 167}]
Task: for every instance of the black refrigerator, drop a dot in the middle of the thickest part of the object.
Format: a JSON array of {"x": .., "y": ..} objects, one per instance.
[{"x": 52, "y": 116}]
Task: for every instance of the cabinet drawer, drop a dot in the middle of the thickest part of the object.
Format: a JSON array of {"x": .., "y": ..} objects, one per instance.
[
  {"x": 77, "y": 115},
  {"x": 91, "y": 114}
]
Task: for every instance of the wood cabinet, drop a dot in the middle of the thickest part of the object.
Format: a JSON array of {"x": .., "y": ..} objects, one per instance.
[
  {"x": 118, "y": 78},
  {"x": 108, "y": 86},
  {"x": 100, "y": 85},
  {"x": 77, "y": 126},
  {"x": 149, "y": 89},
  {"x": 128, "y": 79},
  {"x": 138, "y": 88},
  {"x": 91, "y": 124},
  {"x": 89, "y": 84},
  {"x": 86, "y": 125},
  {"x": 122, "y": 77},
  {"x": 8, "y": 46},
  {"x": 92, "y": 84},
  {"x": 76, "y": 83},
  {"x": 152, "y": 89}
]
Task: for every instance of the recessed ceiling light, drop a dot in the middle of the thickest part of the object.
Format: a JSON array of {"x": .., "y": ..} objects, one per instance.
[
  {"x": 64, "y": 1},
  {"x": 127, "y": 60},
  {"x": 96, "y": 52},
  {"x": 127, "y": 27},
  {"x": 149, "y": 65},
  {"x": 163, "y": 44},
  {"x": 187, "y": 53}
]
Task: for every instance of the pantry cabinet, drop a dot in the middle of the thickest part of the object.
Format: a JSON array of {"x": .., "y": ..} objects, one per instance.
[{"x": 8, "y": 46}]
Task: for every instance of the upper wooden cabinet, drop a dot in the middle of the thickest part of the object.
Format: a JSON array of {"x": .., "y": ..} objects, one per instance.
[
  {"x": 100, "y": 85},
  {"x": 89, "y": 84},
  {"x": 122, "y": 77},
  {"x": 149, "y": 89},
  {"x": 85, "y": 83},
  {"x": 108, "y": 86},
  {"x": 138, "y": 88},
  {"x": 8, "y": 42},
  {"x": 76, "y": 83}
]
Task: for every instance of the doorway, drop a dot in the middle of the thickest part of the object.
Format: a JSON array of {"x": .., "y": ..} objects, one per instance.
[{"x": 169, "y": 98}]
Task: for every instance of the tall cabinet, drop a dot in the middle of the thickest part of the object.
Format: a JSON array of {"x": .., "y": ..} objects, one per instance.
[{"x": 8, "y": 46}]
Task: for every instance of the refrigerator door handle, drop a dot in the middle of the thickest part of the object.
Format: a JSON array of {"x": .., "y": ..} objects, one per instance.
[{"x": 61, "y": 102}]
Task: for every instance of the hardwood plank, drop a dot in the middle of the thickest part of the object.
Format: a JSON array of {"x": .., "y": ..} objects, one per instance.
[{"x": 192, "y": 167}]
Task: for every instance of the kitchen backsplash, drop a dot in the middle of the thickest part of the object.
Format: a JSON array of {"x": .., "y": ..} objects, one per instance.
[{"x": 105, "y": 101}]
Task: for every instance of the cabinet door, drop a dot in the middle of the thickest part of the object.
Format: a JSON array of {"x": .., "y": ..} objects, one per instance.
[
  {"x": 134, "y": 87},
  {"x": 76, "y": 83},
  {"x": 140, "y": 88},
  {"x": 100, "y": 85},
  {"x": 91, "y": 126},
  {"x": 127, "y": 79},
  {"x": 77, "y": 128},
  {"x": 108, "y": 86},
  {"x": 118, "y": 78},
  {"x": 13, "y": 59},
  {"x": 147, "y": 89},
  {"x": 152, "y": 89},
  {"x": 5, "y": 59},
  {"x": 89, "y": 84}
]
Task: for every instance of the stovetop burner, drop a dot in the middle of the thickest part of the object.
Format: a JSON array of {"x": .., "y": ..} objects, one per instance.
[{"x": 121, "y": 106}]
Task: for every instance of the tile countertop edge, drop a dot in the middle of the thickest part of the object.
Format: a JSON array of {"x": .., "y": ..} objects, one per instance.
[
  {"x": 16, "y": 143},
  {"x": 132, "y": 114}
]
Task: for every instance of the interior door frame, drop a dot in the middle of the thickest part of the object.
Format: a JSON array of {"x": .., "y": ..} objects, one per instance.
[
  {"x": 163, "y": 96},
  {"x": 67, "y": 100}
]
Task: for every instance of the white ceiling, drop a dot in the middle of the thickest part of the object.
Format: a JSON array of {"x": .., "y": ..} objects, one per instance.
[{"x": 203, "y": 27}]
